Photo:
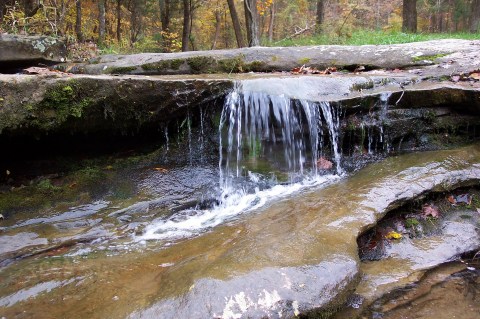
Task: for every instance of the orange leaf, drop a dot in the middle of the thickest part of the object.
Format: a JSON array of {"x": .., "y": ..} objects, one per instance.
[
  {"x": 323, "y": 163},
  {"x": 430, "y": 210}
]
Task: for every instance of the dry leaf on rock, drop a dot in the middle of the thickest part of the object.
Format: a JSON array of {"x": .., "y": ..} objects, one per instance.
[
  {"x": 323, "y": 163},
  {"x": 35, "y": 70},
  {"x": 451, "y": 199},
  {"x": 393, "y": 235},
  {"x": 464, "y": 199},
  {"x": 430, "y": 210},
  {"x": 474, "y": 76}
]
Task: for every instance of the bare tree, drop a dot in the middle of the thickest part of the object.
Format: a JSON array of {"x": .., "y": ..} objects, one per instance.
[
  {"x": 251, "y": 19},
  {"x": 409, "y": 15},
  {"x": 186, "y": 24},
  {"x": 218, "y": 25},
  {"x": 78, "y": 20},
  {"x": 271, "y": 24},
  {"x": 119, "y": 20},
  {"x": 475, "y": 17},
  {"x": 101, "y": 21},
  {"x": 164, "y": 6},
  {"x": 136, "y": 20},
  {"x": 236, "y": 23},
  {"x": 2, "y": 9},
  {"x": 320, "y": 15}
]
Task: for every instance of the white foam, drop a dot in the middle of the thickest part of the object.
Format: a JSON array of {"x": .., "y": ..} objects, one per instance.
[{"x": 190, "y": 222}]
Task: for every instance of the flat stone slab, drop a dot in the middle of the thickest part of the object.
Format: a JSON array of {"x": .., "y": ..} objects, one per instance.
[
  {"x": 451, "y": 55},
  {"x": 18, "y": 49}
]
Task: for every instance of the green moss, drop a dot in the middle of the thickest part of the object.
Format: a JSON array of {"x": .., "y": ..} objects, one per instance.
[
  {"x": 202, "y": 64},
  {"x": 122, "y": 69},
  {"x": 157, "y": 66},
  {"x": 60, "y": 102},
  {"x": 274, "y": 58},
  {"x": 429, "y": 116},
  {"x": 363, "y": 86},
  {"x": 176, "y": 63},
  {"x": 255, "y": 66},
  {"x": 236, "y": 64},
  {"x": 304, "y": 61},
  {"x": 430, "y": 58},
  {"x": 411, "y": 222},
  {"x": 89, "y": 175},
  {"x": 45, "y": 186}
]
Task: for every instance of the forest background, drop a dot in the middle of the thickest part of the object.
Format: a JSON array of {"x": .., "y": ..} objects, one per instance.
[{"x": 126, "y": 26}]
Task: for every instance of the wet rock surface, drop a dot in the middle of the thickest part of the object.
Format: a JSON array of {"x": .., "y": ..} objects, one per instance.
[
  {"x": 449, "y": 291},
  {"x": 296, "y": 254}
]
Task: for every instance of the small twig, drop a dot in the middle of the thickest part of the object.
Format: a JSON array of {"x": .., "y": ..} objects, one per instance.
[{"x": 298, "y": 31}]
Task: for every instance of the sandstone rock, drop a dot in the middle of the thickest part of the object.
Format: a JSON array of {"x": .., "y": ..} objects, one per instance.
[{"x": 20, "y": 51}]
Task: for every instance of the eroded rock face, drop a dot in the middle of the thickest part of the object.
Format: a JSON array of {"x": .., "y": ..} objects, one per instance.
[
  {"x": 85, "y": 105},
  {"x": 20, "y": 51}
]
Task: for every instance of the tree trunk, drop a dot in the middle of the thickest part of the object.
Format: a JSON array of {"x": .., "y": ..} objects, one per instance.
[
  {"x": 475, "y": 18},
  {"x": 164, "y": 13},
  {"x": 320, "y": 15},
  {"x": 119, "y": 21},
  {"x": 251, "y": 18},
  {"x": 186, "y": 25},
  {"x": 78, "y": 20},
  {"x": 101, "y": 22},
  {"x": 2, "y": 10},
  {"x": 409, "y": 16},
  {"x": 136, "y": 20},
  {"x": 236, "y": 23},
  {"x": 30, "y": 8},
  {"x": 271, "y": 25},
  {"x": 218, "y": 25}
]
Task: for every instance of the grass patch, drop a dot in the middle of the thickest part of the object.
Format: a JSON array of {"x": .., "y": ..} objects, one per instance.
[{"x": 362, "y": 37}]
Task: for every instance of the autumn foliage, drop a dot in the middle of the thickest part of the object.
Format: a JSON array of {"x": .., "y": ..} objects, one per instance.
[{"x": 158, "y": 25}]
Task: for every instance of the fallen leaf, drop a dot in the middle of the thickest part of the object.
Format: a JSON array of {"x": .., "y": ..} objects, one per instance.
[
  {"x": 393, "y": 235},
  {"x": 40, "y": 71},
  {"x": 455, "y": 78},
  {"x": 474, "y": 76},
  {"x": 430, "y": 210},
  {"x": 452, "y": 200},
  {"x": 297, "y": 70},
  {"x": 323, "y": 163},
  {"x": 359, "y": 68},
  {"x": 464, "y": 199},
  {"x": 72, "y": 185},
  {"x": 109, "y": 167},
  {"x": 161, "y": 169}
]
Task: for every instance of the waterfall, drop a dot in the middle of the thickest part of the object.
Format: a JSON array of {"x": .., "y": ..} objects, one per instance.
[
  {"x": 256, "y": 125},
  {"x": 263, "y": 138}
]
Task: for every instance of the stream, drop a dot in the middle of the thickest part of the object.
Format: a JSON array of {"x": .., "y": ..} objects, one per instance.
[{"x": 265, "y": 229}]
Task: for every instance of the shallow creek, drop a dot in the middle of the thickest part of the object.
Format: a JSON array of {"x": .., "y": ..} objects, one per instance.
[{"x": 295, "y": 252}]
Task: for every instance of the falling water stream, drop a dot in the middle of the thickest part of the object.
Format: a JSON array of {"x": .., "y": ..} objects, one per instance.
[{"x": 258, "y": 126}]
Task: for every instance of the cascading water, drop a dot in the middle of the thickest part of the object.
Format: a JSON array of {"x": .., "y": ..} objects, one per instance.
[
  {"x": 257, "y": 125},
  {"x": 270, "y": 146}
]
